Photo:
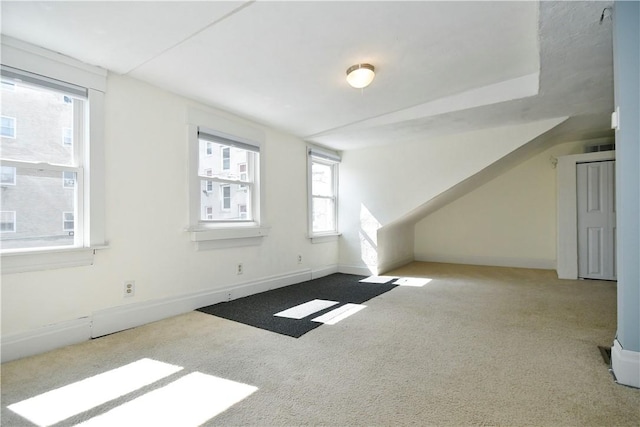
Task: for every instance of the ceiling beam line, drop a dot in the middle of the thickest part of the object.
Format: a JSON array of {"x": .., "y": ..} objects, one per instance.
[{"x": 189, "y": 37}]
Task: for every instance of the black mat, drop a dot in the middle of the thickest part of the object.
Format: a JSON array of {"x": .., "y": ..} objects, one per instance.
[{"x": 258, "y": 310}]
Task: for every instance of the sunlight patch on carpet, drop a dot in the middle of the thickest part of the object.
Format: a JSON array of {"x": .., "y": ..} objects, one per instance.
[
  {"x": 308, "y": 308},
  {"x": 417, "y": 282},
  {"x": 56, "y": 405},
  {"x": 188, "y": 401},
  {"x": 340, "y": 313}
]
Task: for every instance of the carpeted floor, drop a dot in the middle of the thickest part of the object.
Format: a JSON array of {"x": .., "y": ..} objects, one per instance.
[{"x": 474, "y": 346}]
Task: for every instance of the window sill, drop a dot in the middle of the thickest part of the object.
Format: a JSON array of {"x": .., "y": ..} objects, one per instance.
[
  {"x": 47, "y": 259},
  {"x": 220, "y": 238},
  {"x": 325, "y": 238}
]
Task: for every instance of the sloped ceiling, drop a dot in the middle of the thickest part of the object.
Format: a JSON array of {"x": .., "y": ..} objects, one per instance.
[{"x": 441, "y": 67}]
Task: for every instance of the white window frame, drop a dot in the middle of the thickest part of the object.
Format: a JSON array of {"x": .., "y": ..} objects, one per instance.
[
  {"x": 13, "y": 176},
  {"x": 224, "y": 234},
  {"x": 12, "y": 128},
  {"x": 60, "y": 70},
  {"x": 332, "y": 159},
  {"x": 13, "y": 222}
]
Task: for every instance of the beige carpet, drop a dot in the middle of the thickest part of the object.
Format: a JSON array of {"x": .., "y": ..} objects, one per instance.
[{"x": 475, "y": 346}]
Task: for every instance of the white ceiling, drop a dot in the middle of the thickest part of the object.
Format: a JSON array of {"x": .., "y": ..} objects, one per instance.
[{"x": 441, "y": 67}]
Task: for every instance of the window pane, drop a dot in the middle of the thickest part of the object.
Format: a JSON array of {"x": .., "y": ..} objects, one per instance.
[
  {"x": 67, "y": 221},
  {"x": 226, "y": 158},
  {"x": 68, "y": 179},
  {"x": 225, "y": 197},
  {"x": 67, "y": 136},
  {"x": 323, "y": 215},
  {"x": 8, "y": 175},
  {"x": 8, "y": 127},
  {"x": 7, "y": 222},
  {"x": 39, "y": 203},
  {"x": 36, "y": 119},
  {"x": 223, "y": 161},
  {"x": 321, "y": 179},
  {"x": 224, "y": 202}
]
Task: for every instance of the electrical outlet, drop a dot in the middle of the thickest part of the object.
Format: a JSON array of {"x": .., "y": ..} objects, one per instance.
[
  {"x": 129, "y": 288},
  {"x": 299, "y": 259},
  {"x": 239, "y": 270}
]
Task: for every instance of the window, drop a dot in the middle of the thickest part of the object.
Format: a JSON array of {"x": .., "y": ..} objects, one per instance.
[
  {"x": 242, "y": 171},
  {"x": 219, "y": 183},
  {"x": 67, "y": 222},
  {"x": 208, "y": 184},
  {"x": 226, "y": 158},
  {"x": 209, "y": 149},
  {"x": 225, "y": 197},
  {"x": 67, "y": 136},
  {"x": 208, "y": 211},
  {"x": 41, "y": 164},
  {"x": 7, "y": 222},
  {"x": 230, "y": 174},
  {"x": 68, "y": 179},
  {"x": 8, "y": 126},
  {"x": 36, "y": 157},
  {"x": 8, "y": 175},
  {"x": 323, "y": 186},
  {"x": 52, "y": 92}
]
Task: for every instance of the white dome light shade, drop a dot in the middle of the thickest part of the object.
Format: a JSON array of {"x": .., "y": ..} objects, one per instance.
[{"x": 360, "y": 75}]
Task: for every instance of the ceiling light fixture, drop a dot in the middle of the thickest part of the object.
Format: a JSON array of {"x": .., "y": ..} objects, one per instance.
[{"x": 360, "y": 75}]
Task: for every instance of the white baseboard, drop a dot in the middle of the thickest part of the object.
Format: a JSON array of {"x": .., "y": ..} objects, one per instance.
[
  {"x": 59, "y": 335},
  {"x": 625, "y": 365},
  {"x": 317, "y": 273},
  {"x": 129, "y": 316},
  {"x": 115, "y": 319},
  {"x": 536, "y": 263},
  {"x": 355, "y": 269}
]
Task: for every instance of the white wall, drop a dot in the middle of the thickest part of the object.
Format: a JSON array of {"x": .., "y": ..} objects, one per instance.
[
  {"x": 509, "y": 221},
  {"x": 146, "y": 213},
  {"x": 383, "y": 184}
]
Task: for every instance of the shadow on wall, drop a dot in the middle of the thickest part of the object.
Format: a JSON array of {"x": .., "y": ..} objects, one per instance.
[{"x": 369, "y": 226}]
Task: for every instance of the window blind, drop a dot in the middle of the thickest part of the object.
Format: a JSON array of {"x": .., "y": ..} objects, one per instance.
[
  {"x": 17, "y": 75},
  {"x": 232, "y": 141},
  {"x": 324, "y": 154}
]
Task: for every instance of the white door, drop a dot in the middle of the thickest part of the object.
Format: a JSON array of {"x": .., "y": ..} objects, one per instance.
[{"x": 596, "y": 220}]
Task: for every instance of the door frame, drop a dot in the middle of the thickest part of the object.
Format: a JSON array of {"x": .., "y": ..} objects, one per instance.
[{"x": 567, "y": 226}]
